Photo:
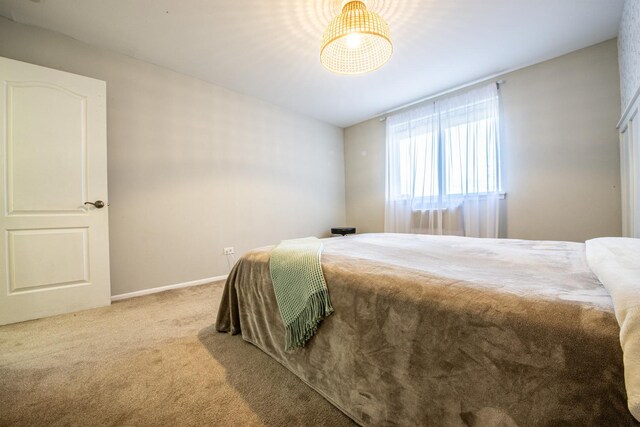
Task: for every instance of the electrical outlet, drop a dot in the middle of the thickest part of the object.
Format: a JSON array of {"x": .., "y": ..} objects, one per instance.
[{"x": 228, "y": 251}]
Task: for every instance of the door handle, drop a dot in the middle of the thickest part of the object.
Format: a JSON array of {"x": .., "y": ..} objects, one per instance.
[{"x": 99, "y": 204}]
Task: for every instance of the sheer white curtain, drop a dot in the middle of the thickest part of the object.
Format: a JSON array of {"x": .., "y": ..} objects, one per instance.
[{"x": 443, "y": 166}]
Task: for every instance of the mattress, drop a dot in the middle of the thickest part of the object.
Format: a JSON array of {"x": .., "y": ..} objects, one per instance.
[{"x": 443, "y": 330}]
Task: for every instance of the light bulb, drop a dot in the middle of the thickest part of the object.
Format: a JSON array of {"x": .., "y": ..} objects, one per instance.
[{"x": 353, "y": 40}]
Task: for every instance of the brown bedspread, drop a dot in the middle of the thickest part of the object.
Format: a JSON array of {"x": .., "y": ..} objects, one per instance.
[{"x": 453, "y": 331}]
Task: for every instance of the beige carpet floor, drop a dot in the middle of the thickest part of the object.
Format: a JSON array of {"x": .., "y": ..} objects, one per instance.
[{"x": 149, "y": 361}]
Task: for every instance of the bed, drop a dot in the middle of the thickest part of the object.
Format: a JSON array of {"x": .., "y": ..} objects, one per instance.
[{"x": 443, "y": 330}]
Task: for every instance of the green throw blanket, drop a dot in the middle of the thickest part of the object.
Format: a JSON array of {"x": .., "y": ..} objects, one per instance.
[{"x": 300, "y": 288}]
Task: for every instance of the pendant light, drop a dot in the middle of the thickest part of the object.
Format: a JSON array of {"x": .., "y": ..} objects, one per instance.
[{"x": 357, "y": 41}]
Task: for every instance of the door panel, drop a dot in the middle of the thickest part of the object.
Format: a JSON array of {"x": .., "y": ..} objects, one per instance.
[
  {"x": 35, "y": 257},
  {"x": 46, "y": 164},
  {"x": 54, "y": 249}
]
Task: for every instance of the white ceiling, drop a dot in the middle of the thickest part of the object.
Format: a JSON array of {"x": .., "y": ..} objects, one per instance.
[{"x": 269, "y": 49}]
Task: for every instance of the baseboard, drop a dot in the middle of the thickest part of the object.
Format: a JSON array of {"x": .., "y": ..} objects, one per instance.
[{"x": 166, "y": 288}]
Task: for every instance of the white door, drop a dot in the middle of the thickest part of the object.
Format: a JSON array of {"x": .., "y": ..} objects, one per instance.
[
  {"x": 634, "y": 153},
  {"x": 625, "y": 180},
  {"x": 54, "y": 248}
]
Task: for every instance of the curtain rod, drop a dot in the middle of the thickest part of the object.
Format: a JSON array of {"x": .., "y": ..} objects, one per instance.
[{"x": 454, "y": 89}]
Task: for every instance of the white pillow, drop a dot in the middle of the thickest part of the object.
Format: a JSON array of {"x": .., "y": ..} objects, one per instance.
[{"x": 616, "y": 263}]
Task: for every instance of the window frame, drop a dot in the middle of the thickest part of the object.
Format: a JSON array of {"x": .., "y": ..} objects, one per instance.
[{"x": 440, "y": 175}]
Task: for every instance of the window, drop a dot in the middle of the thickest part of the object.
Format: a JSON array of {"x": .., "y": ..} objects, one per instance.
[
  {"x": 446, "y": 153},
  {"x": 443, "y": 156}
]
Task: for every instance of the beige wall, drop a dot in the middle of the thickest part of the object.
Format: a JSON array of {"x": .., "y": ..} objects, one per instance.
[
  {"x": 560, "y": 153},
  {"x": 194, "y": 167},
  {"x": 364, "y": 159}
]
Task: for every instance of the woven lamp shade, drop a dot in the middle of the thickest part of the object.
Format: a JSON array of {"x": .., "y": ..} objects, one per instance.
[{"x": 356, "y": 41}]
